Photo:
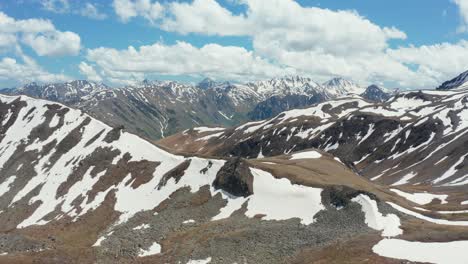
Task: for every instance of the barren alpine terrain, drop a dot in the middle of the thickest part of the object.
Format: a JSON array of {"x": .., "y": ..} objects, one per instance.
[
  {"x": 346, "y": 180},
  {"x": 233, "y": 132}
]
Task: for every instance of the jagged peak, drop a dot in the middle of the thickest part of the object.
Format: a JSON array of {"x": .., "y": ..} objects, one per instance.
[{"x": 461, "y": 81}]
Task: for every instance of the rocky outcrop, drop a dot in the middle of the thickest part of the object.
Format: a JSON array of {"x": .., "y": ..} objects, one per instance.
[
  {"x": 235, "y": 178},
  {"x": 341, "y": 196}
]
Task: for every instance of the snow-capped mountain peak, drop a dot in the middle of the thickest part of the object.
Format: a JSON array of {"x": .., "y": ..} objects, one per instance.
[
  {"x": 64, "y": 92},
  {"x": 339, "y": 86},
  {"x": 459, "y": 82},
  {"x": 283, "y": 86}
]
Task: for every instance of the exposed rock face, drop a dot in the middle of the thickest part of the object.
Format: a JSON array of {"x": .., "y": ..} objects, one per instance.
[
  {"x": 175, "y": 174},
  {"x": 459, "y": 82},
  {"x": 376, "y": 94},
  {"x": 114, "y": 134},
  {"x": 235, "y": 178},
  {"x": 341, "y": 196},
  {"x": 275, "y": 105}
]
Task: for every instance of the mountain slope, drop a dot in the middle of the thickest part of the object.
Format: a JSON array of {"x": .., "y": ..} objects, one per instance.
[
  {"x": 376, "y": 94},
  {"x": 155, "y": 109},
  {"x": 342, "y": 87},
  {"x": 459, "y": 82},
  {"x": 74, "y": 190},
  {"x": 415, "y": 137}
]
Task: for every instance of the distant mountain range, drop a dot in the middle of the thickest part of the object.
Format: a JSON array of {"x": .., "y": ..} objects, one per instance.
[{"x": 155, "y": 109}]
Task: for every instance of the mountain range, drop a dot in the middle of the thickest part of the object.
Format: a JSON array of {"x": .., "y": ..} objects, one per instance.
[
  {"x": 155, "y": 109},
  {"x": 353, "y": 176}
]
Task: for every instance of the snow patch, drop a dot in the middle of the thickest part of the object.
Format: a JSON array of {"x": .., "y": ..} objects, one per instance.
[
  {"x": 421, "y": 198},
  {"x": 306, "y": 155},
  {"x": 435, "y": 252},
  {"x": 389, "y": 224},
  {"x": 154, "y": 249}
]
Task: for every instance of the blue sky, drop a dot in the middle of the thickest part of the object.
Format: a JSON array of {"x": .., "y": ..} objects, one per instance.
[{"x": 407, "y": 44}]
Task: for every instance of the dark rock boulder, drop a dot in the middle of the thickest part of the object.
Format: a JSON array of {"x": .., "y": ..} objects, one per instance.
[
  {"x": 341, "y": 196},
  {"x": 235, "y": 178},
  {"x": 114, "y": 134}
]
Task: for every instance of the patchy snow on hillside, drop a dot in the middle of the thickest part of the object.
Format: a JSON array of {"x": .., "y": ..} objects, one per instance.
[
  {"x": 200, "y": 261},
  {"x": 435, "y": 252},
  {"x": 427, "y": 218},
  {"x": 208, "y": 129},
  {"x": 389, "y": 224},
  {"x": 421, "y": 198},
  {"x": 405, "y": 179},
  {"x": 5, "y": 185}
]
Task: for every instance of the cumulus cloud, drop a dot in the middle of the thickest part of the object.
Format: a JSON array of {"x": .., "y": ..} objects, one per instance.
[
  {"x": 128, "y": 9},
  {"x": 54, "y": 43},
  {"x": 90, "y": 10},
  {"x": 205, "y": 17},
  {"x": 313, "y": 41},
  {"x": 26, "y": 71},
  {"x": 436, "y": 62},
  {"x": 89, "y": 71},
  {"x": 225, "y": 62},
  {"x": 463, "y": 9},
  {"x": 41, "y": 35}
]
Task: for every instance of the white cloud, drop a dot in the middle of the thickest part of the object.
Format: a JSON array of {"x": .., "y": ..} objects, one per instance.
[
  {"x": 225, "y": 62},
  {"x": 320, "y": 42},
  {"x": 314, "y": 41},
  {"x": 54, "y": 43},
  {"x": 463, "y": 9},
  {"x": 41, "y": 35},
  {"x": 56, "y": 6},
  {"x": 206, "y": 17},
  {"x": 128, "y": 9},
  {"x": 91, "y": 11},
  {"x": 284, "y": 24},
  {"x": 89, "y": 71},
  {"x": 436, "y": 62},
  {"x": 13, "y": 71}
]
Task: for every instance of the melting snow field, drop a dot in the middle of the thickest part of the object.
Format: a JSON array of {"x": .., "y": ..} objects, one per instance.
[
  {"x": 200, "y": 261},
  {"x": 389, "y": 224},
  {"x": 440, "y": 253},
  {"x": 426, "y": 218},
  {"x": 296, "y": 201},
  {"x": 306, "y": 155},
  {"x": 421, "y": 198},
  {"x": 154, "y": 249}
]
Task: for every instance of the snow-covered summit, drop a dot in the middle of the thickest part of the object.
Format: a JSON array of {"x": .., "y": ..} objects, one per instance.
[{"x": 340, "y": 87}]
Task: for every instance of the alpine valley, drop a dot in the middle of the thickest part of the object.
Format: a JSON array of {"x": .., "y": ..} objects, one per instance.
[{"x": 278, "y": 171}]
